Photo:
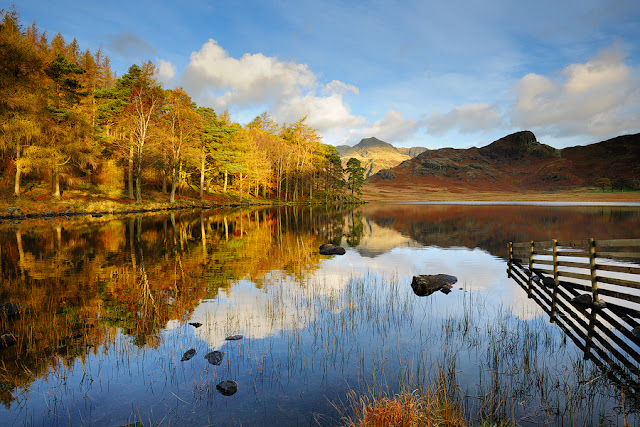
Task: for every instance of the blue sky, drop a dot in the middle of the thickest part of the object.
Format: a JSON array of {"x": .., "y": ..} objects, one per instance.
[{"x": 435, "y": 74}]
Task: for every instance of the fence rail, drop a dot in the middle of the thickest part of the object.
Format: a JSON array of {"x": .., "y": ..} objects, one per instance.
[
  {"x": 607, "y": 330},
  {"x": 549, "y": 257}
]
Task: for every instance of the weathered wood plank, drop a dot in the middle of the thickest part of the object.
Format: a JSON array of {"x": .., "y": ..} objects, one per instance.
[
  {"x": 617, "y": 268},
  {"x": 618, "y": 243},
  {"x": 574, "y": 275},
  {"x": 618, "y": 254},
  {"x": 619, "y": 282}
]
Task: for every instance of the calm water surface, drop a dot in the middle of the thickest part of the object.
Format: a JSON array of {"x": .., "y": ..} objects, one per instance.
[{"x": 107, "y": 306}]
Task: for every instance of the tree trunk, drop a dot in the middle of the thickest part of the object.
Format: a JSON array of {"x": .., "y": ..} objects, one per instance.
[
  {"x": 130, "y": 172},
  {"x": 241, "y": 186},
  {"x": 174, "y": 183},
  {"x": 56, "y": 180},
  {"x": 202, "y": 161},
  {"x": 226, "y": 179},
  {"x": 139, "y": 178},
  {"x": 16, "y": 187}
]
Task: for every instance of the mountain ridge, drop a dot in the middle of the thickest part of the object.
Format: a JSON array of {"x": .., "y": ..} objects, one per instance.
[
  {"x": 517, "y": 162},
  {"x": 375, "y": 154}
]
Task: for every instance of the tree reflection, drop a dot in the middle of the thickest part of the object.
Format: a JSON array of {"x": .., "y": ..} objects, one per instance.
[{"x": 80, "y": 283}]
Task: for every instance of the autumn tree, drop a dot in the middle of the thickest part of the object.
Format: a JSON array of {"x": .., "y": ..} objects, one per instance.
[
  {"x": 131, "y": 107},
  {"x": 20, "y": 76}
]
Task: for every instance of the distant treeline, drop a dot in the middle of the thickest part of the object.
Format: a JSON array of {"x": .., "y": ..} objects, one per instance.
[{"x": 68, "y": 122}]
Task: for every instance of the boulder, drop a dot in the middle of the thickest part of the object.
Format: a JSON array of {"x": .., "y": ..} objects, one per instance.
[
  {"x": 215, "y": 357},
  {"x": 228, "y": 387},
  {"x": 188, "y": 354},
  {"x": 425, "y": 285},
  {"x": 195, "y": 324},
  {"x": 329, "y": 249},
  {"x": 7, "y": 340},
  {"x": 549, "y": 282},
  {"x": 13, "y": 211}
]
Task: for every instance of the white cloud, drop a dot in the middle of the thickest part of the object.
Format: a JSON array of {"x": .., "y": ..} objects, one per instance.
[
  {"x": 394, "y": 127},
  {"x": 287, "y": 89},
  {"x": 464, "y": 119},
  {"x": 166, "y": 71},
  {"x": 600, "y": 98}
]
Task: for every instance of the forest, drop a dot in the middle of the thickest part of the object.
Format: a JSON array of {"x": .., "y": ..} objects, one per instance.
[{"x": 69, "y": 126}]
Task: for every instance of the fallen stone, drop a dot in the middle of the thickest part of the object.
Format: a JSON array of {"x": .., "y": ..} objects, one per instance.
[
  {"x": 196, "y": 324},
  {"x": 583, "y": 299},
  {"x": 549, "y": 282},
  {"x": 228, "y": 387},
  {"x": 329, "y": 249},
  {"x": 425, "y": 285},
  {"x": 599, "y": 305},
  {"x": 215, "y": 357},
  {"x": 7, "y": 340},
  {"x": 188, "y": 354},
  {"x": 234, "y": 338}
]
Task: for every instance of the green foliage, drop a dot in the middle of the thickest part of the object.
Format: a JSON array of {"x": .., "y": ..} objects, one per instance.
[{"x": 355, "y": 173}]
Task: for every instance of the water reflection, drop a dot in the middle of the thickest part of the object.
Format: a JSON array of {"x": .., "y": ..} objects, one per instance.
[{"x": 106, "y": 305}]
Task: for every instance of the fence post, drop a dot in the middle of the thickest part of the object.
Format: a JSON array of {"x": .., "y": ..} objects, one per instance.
[
  {"x": 554, "y": 295},
  {"x": 592, "y": 268},
  {"x": 510, "y": 259},
  {"x": 530, "y": 281}
]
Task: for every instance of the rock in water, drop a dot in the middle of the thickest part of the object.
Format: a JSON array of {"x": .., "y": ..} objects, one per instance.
[
  {"x": 329, "y": 249},
  {"x": 427, "y": 284},
  {"x": 215, "y": 357},
  {"x": 636, "y": 332},
  {"x": 7, "y": 340},
  {"x": 188, "y": 354},
  {"x": 228, "y": 387},
  {"x": 196, "y": 324},
  {"x": 234, "y": 338}
]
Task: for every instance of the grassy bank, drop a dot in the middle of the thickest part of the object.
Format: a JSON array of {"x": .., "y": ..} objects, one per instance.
[{"x": 39, "y": 201}]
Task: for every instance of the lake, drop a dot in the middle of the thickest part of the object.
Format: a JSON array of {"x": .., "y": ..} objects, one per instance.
[{"x": 109, "y": 307}]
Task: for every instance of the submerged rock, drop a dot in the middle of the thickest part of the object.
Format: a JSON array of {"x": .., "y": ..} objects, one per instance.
[
  {"x": 188, "y": 354},
  {"x": 329, "y": 249},
  {"x": 228, "y": 387},
  {"x": 234, "y": 338},
  {"x": 7, "y": 340},
  {"x": 426, "y": 284},
  {"x": 196, "y": 324},
  {"x": 215, "y": 357}
]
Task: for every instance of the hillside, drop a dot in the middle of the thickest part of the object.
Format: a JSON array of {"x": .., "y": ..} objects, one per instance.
[
  {"x": 375, "y": 154},
  {"x": 516, "y": 162}
]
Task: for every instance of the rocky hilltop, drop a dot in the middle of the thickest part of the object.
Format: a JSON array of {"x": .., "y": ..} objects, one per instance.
[
  {"x": 518, "y": 162},
  {"x": 375, "y": 154}
]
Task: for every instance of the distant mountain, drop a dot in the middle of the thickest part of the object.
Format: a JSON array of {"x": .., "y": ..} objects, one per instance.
[
  {"x": 517, "y": 162},
  {"x": 375, "y": 154}
]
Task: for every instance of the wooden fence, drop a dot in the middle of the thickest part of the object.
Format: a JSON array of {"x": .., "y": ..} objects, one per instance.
[{"x": 591, "y": 290}]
